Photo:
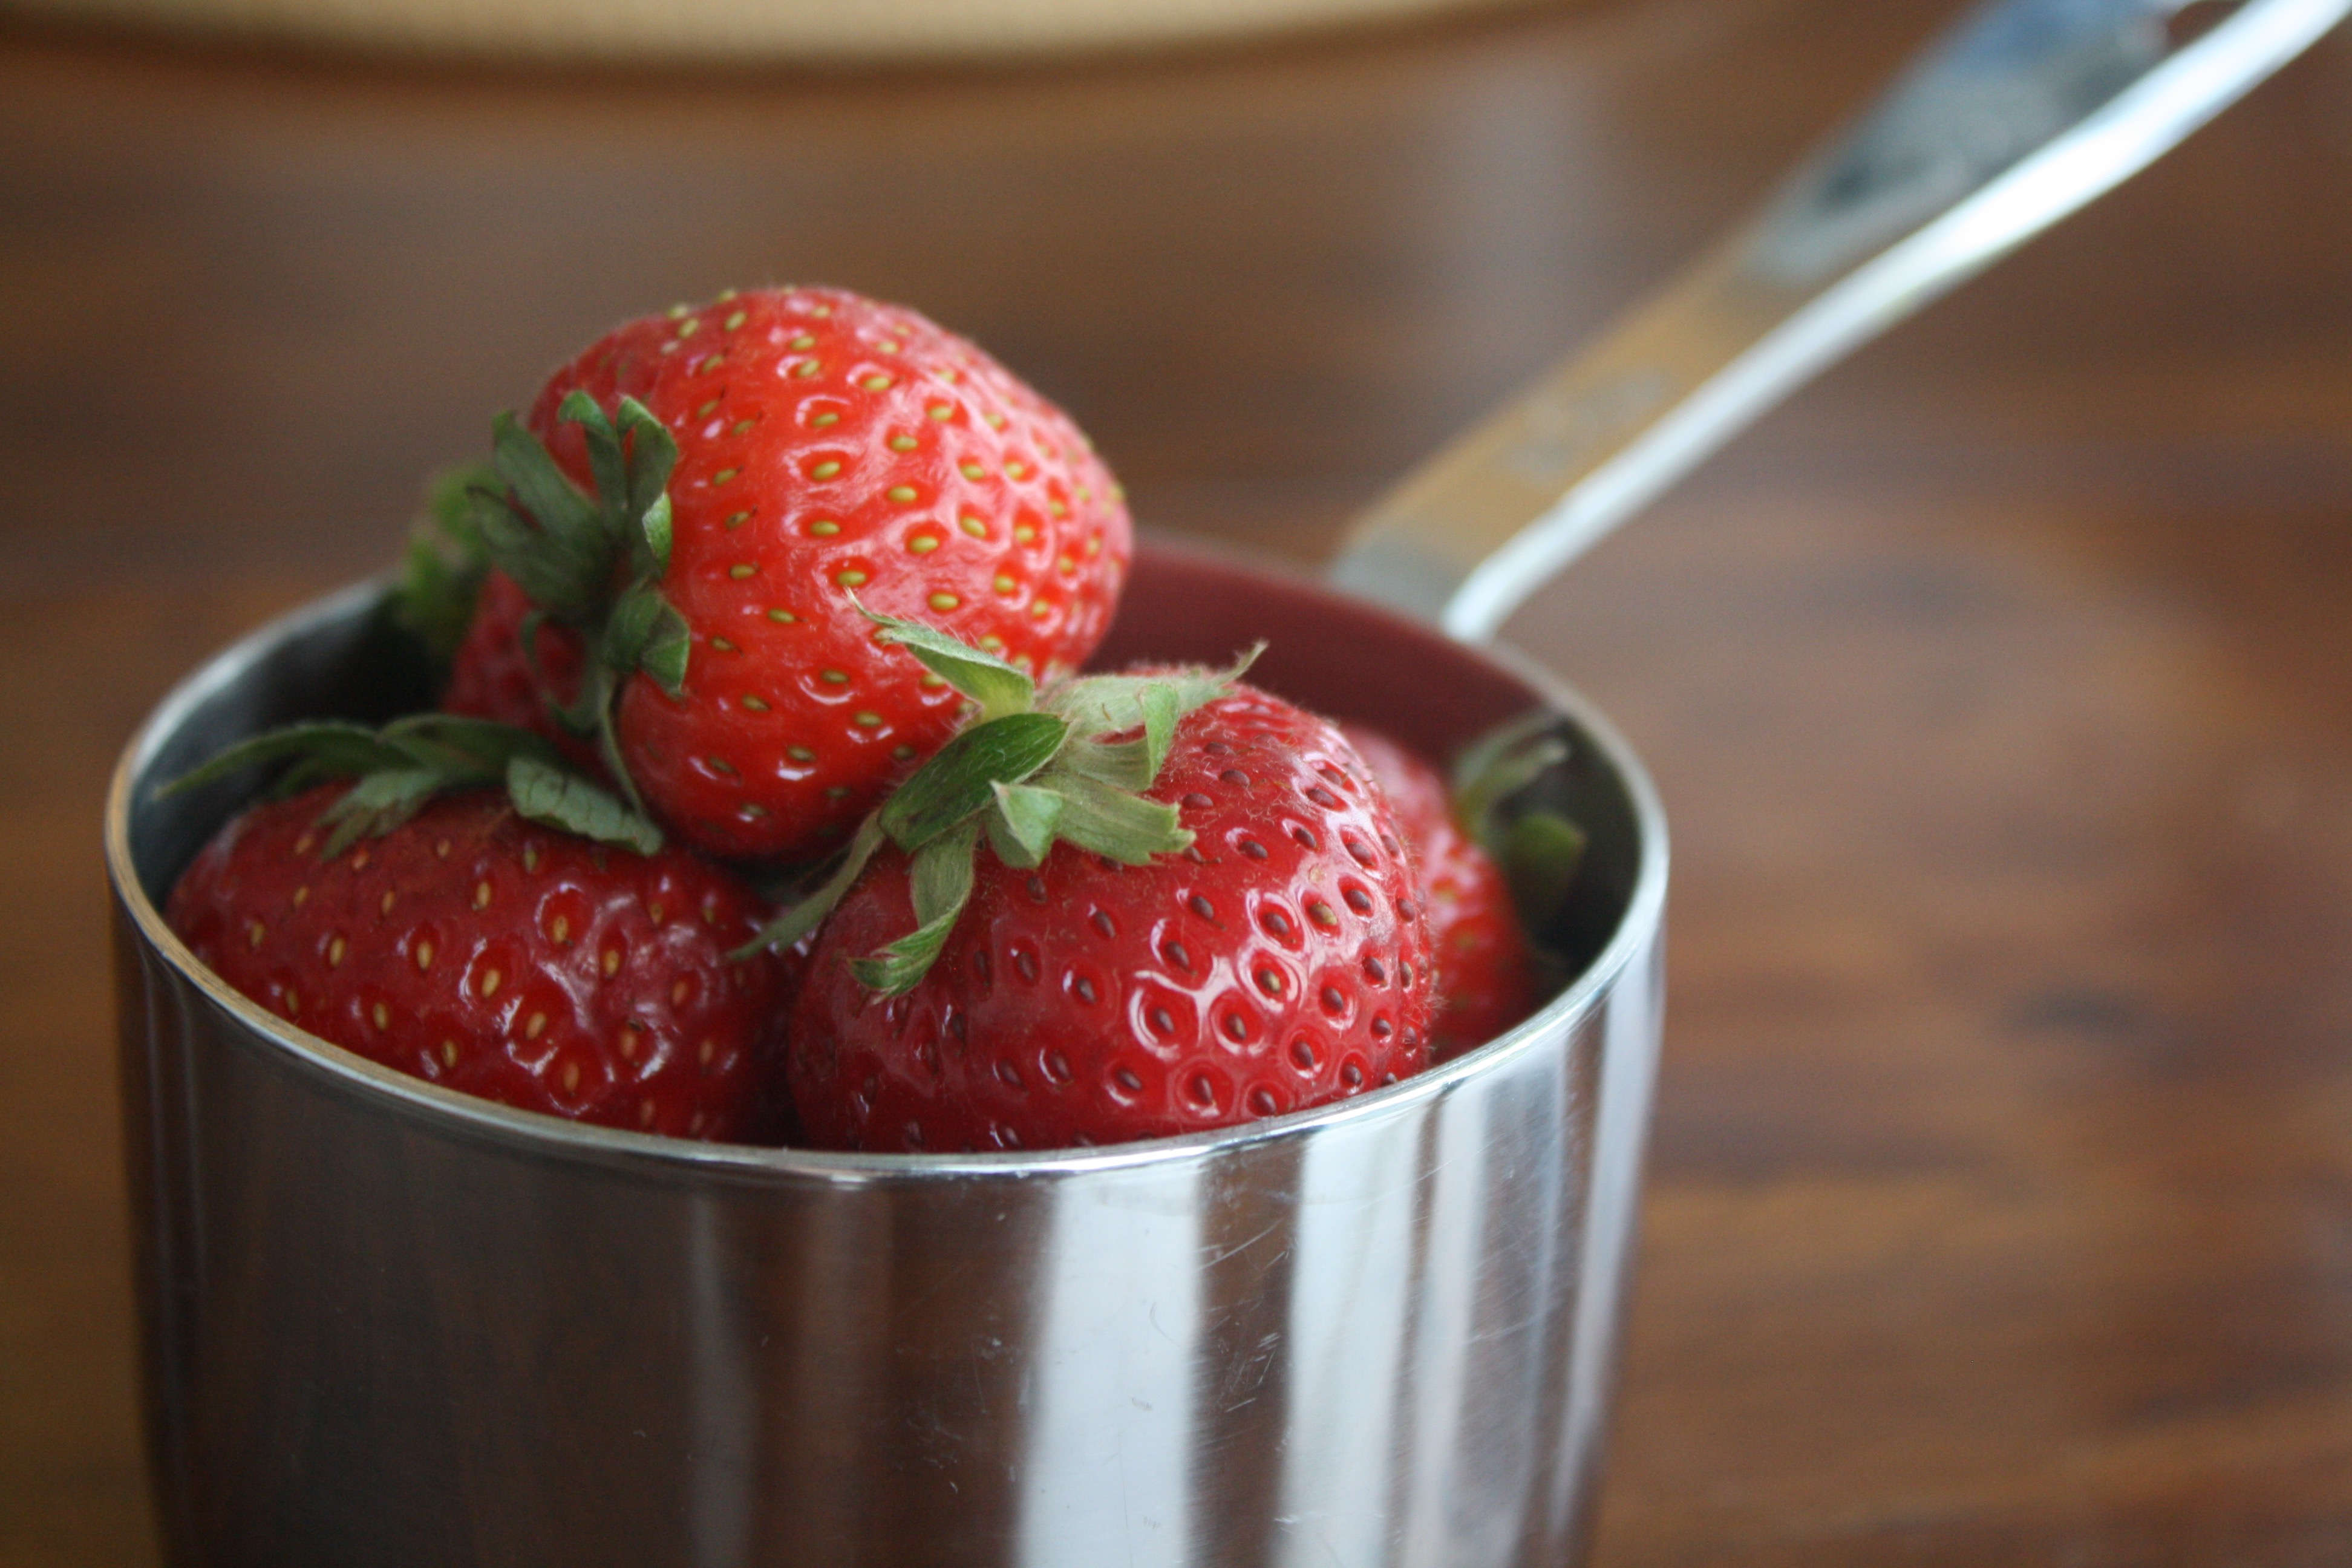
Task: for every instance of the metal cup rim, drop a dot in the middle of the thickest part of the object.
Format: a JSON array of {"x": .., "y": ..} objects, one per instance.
[{"x": 533, "y": 1132}]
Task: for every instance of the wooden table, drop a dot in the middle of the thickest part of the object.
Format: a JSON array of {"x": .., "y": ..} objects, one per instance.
[{"x": 2000, "y": 688}]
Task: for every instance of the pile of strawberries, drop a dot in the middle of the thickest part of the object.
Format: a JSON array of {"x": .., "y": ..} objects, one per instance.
[{"x": 767, "y": 803}]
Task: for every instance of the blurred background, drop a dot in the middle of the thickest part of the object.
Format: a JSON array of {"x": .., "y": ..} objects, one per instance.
[{"x": 2000, "y": 687}]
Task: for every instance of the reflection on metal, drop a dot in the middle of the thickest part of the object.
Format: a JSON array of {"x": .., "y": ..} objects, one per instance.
[
  {"x": 1111, "y": 1408},
  {"x": 2022, "y": 113}
]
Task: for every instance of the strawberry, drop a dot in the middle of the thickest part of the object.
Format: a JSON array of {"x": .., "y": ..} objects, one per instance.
[
  {"x": 419, "y": 918},
  {"x": 1193, "y": 909},
  {"x": 492, "y": 677},
  {"x": 1485, "y": 980},
  {"x": 712, "y": 486}
]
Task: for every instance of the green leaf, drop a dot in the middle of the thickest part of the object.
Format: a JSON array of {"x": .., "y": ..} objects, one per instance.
[
  {"x": 331, "y": 749},
  {"x": 941, "y": 875},
  {"x": 645, "y": 633},
  {"x": 655, "y": 528},
  {"x": 462, "y": 749},
  {"x": 1162, "y": 707},
  {"x": 434, "y": 602},
  {"x": 1473, "y": 762},
  {"x": 653, "y": 456},
  {"x": 399, "y": 767},
  {"x": 1021, "y": 830},
  {"x": 411, "y": 760},
  {"x": 560, "y": 798},
  {"x": 1131, "y": 765},
  {"x": 605, "y": 463},
  {"x": 963, "y": 777},
  {"x": 379, "y": 803},
  {"x": 562, "y": 579},
  {"x": 1114, "y": 704},
  {"x": 446, "y": 559},
  {"x": 996, "y": 686},
  {"x": 1539, "y": 856},
  {"x": 941, "y": 886},
  {"x": 550, "y": 499},
  {"x": 1122, "y": 764},
  {"x": 805, "y": 916},
  {"x": 1498, "y": 765},
  {"x": 666, "y": 651},
  {"x": 1102, "y": 820}
]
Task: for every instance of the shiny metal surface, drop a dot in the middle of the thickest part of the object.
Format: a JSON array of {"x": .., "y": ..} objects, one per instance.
[
  {"x": 2020, "y": 113},
  {"x": 388, "y": 1324}
]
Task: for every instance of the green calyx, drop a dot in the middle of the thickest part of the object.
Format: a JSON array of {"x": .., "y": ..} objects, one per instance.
[
  {"x": 441, "y": 571},
  {"x": 1031, "y": 770},
  {"x": 592, "y": 563},
  {"x": 1538, "y": 848},
  {"x": 411, "y": 760}
]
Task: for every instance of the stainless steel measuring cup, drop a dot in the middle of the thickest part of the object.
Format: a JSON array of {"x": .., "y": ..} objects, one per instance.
[{"x": 390, "y": 1324}]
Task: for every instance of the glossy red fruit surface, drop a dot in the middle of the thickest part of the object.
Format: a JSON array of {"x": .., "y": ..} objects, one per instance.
[
  {"x": 478, "y": 950},
  {"x": 828, "y": 445},
  {"x": 1282, "y": 962},
  {"x": 1485, "y": 980}
]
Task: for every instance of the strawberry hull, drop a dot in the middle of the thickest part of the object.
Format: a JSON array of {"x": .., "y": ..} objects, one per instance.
[{"x": 389, "y": 1324}]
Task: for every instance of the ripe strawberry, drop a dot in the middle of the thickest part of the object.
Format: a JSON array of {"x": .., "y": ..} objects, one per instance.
[
  {"x": 1485, "y": 980},
  {"x": 1242, "y": 938},
  {"x": 754, "y": 462},
  {"x": 490, "y": 677},
  {"x": 453, "y": 938}
]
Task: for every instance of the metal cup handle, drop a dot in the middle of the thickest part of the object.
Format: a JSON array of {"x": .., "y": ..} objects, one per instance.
[{"x": 2020, "y": 113}]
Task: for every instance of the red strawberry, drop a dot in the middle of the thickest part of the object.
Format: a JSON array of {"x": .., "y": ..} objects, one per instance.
[
  {"x": 1093, "y": 989},
  {"x": 454, "y": 939},
  {"x": 824, "y": 444},
  {"x": 490, "y": 677},
  {"x": 1485, "y": 980}
]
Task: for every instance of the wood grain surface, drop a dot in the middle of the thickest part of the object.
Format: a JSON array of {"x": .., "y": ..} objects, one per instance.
[{"x": 2000, "y": 687}]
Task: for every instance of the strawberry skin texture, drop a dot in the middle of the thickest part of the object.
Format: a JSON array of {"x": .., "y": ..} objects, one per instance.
[
  {"x": 829, "y": 445},
  {"x": 477, "y": 949},
  {"x": 492, "y": 677},
  {"x": 1486, "y": 979},
  {"x": 1279, "y": 963}
]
